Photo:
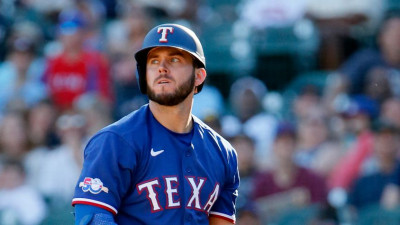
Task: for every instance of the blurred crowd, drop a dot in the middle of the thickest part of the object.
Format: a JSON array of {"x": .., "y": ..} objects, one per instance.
[{"x": 308, "y": 93}]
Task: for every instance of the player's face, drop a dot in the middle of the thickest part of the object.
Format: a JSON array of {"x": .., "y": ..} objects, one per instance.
[{"x": 170, "y": 76}]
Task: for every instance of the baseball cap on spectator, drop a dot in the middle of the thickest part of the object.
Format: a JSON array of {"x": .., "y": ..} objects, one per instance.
[
  {"x": 361, "y": 104},
  {"x": 70, "y": 21}
]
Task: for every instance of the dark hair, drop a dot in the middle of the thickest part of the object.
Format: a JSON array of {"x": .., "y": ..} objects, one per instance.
[
  {"x": 22, "y": 44},
  {"x": 196, "y": 63}
]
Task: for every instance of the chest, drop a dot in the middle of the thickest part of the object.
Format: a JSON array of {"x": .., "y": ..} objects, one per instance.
[{"x": 172, "y": 175}]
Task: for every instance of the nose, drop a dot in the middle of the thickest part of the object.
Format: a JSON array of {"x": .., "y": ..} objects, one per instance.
[{"x": 162, "y": 68}]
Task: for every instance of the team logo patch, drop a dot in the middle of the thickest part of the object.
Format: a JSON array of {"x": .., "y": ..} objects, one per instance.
[{"x": 95, "y": 185}]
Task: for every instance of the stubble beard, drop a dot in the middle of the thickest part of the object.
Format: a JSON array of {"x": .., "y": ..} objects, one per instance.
[{"x": 175, "y": 98}]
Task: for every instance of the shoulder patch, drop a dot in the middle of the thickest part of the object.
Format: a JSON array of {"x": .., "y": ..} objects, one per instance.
[{"x": 95, "y": 185}]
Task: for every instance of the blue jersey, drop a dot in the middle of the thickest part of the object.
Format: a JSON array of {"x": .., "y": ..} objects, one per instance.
[{"x": 146, "y": 174}]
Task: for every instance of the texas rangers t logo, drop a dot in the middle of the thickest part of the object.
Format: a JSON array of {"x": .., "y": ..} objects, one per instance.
[{"x": 164, "y": 33}]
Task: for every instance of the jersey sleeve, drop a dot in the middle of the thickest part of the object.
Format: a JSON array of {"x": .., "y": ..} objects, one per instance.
[
  {"x": 89, "y": 215},
  {"x": 225, "y": 206},
  {"x": 108, "y": 164}
]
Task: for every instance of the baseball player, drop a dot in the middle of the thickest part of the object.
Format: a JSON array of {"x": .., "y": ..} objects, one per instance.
[{"x": 160, "y": 165}]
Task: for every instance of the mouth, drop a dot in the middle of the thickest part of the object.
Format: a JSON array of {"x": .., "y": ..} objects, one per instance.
[{"x": 163, "y": 81}]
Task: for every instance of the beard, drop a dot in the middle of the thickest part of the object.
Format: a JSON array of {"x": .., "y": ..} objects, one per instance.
[{"x": 178, "y": 96}]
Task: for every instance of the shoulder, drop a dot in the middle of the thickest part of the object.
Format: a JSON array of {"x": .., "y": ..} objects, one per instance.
[
  {"x": 367, "y": 53},
  {"x": 363, "y": 56},
  {"x": 365, "y": 180},
  {"x": 310, "y": 175},
  {"x": 55, "y": 58},
  {"x": 132, "y": 128},
  {"x": 208, "y": 132},
  {"x": 218, "y": 153}
]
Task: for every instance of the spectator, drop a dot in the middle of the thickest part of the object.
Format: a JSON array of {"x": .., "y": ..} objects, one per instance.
[
  {"x": 14, "y": 141},
  {"x": 361, "y": 111},
  {"x": 96, "y": 112},
  {"x": 306, "y": 103},
  {"x": 61, "y": 167},
  {"x": 248, "y": 116},
  {"x": 124, "y": 37},
  {"x": 287, "y": 185},
  {"x": 20, "y": 203},
  {"x": 76, "y": 70},
  {"x": 15, "y": 144},
  {"x": 42, "y": 137},
  {"x": 368, "y": 188},
  {"x": 20, "y": 81},
  {"x": 353, "y": 71},
  {"x": 245, "y": 149},
  {"x": 315, "y": 149},
  {"x": 41, "y": 122}
]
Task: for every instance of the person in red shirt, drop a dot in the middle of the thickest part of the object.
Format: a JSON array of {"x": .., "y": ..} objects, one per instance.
[{"x": 76, "y": 70}]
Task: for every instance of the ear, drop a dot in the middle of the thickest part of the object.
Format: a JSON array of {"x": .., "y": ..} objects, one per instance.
[{"x": 201, "y": 75}]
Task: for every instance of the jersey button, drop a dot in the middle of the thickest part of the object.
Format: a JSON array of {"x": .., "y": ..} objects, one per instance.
[
  {"x": 189, "y": 170},
  {"x": 189, "y": 217},
  {"x": 188, "y": 154}
]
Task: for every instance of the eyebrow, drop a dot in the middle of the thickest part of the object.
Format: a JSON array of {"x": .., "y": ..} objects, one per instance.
[{"x": 174, "y": 52}]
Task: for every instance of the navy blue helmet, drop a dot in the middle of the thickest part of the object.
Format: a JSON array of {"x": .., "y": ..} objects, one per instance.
[{"x": 168, "y": 35}]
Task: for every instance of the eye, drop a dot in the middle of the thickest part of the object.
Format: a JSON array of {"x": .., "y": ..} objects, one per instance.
[
  {"x": 154, "y": 61},
  {"x": 175, "y": 59}
]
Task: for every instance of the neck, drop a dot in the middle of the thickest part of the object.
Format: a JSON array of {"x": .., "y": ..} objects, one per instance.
[
  {"x": 286, "y": 167},
  {"x": 175, "y": 118},
  {"x": 387, "y": 165},
  {"x": 73, "y": 53},
  {"x": 22, "y": 73}
]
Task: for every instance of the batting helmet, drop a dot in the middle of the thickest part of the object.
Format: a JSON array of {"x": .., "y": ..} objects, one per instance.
[{"x": 168, "y": 35}]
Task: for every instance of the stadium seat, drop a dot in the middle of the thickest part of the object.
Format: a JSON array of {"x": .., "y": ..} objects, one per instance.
[
  {"x": 316, "y": 79},
  {"x": 375, "y": 215},
  {"x": 284, "y": 52},
  {"x": 393, "y": 4}
]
